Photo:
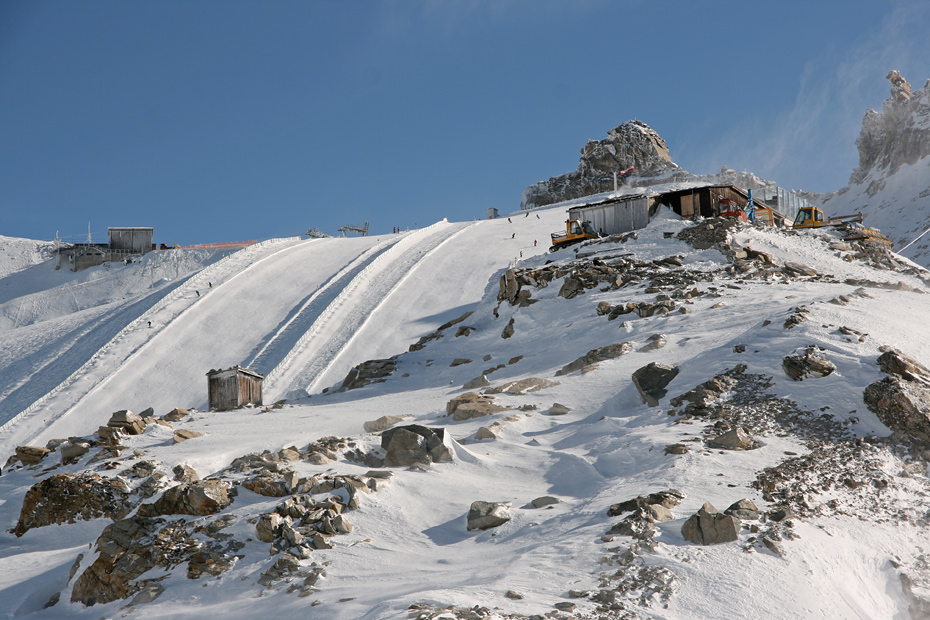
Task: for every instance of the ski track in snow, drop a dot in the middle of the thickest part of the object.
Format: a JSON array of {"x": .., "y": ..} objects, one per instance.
[
  {"x": 15, "y": 429},
  {"x": 310, "y": 358},
  {"x": 293, "y": 328}
]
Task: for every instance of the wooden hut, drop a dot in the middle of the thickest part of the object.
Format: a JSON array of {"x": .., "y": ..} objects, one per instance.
[
  {"x": 703, "y": 201},
  {"x": 234, "y": 387}
]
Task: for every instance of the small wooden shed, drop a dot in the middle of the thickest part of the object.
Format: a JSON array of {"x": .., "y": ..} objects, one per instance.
[{"x": 234, "y": 387}]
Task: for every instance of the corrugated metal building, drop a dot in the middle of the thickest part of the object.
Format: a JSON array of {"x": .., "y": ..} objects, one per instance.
[
  {"x": 615, "y": 215},
  {"x": 234, "y": 387},
  {"x": 131, "y": 240}
]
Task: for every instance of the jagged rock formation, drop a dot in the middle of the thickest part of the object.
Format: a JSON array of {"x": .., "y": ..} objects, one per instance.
[
  {"x": 632, "y": 144},
  {"x": 891, "y": 185},
  {"x": 898, "y": 135}
]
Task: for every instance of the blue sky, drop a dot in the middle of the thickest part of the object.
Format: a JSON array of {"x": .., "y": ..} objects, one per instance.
[{"x": 229, "y": 120}]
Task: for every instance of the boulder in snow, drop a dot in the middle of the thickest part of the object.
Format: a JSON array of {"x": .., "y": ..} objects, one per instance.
[
  {"x": 708, "y": 526},
  {"x": 487, "y": 515},
  {"x": 651, "y": 381}
]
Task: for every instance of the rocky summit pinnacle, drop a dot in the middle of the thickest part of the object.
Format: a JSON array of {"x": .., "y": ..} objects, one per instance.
[
  {"x": 898, "y": 135},
  {"x": 633, "y": 144}
]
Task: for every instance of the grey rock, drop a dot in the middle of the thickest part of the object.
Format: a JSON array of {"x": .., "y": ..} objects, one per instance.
[
  {"x": 478, "y": 382},
  {"x": 743, "y": 509},
  {"x": 807, "y": 364},
  {"x": 545, "y": 500},
  {"x": 596, "y": 355},
  {"x": 735, "y": 439},
  {"x": 383, "y": 423},
  {"x": 709, "y": 527},
  {"x": 651, "y": 381},
  {"x": 415, "y": 444},
  {"x": 774, "y": 546},
  {"x": 487, "y": 515}
]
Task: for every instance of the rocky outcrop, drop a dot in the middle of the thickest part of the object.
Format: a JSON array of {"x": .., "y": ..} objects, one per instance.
[
  {"x": 902, "y": 400},
  {"x": 66, "y": 498},
  {"x": 631, "y": 145},
  {"x": 131, "y": 547}
]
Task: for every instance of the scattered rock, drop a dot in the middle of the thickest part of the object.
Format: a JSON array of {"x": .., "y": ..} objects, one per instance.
[
  {"x": 545, "y": 500},
  {"x": 487, "y": 515},
  {"x": 472, "y": 405},
  {"x": 596, "y": 355},
  {"x": 810, "y": 363},
  {"x": 415, "y": 444},
  {"x": 31, "y": 455},
  {"x": 183, "y": 473},
  {"x": 523, "y": 386},
  {"x": 709, "y": 527},
  {"x": 201, "y": 498},
  {"x": 127, "y": 421},
  {"x": 183, "y": 434},
  {"x": 478, "y": 382},
  {"x": 734, "y": 439},
  {"x": 383, "y": 423},
  {"x": 651, "y": 381},
  {"x": 743, "y": 509},
  {"x": 508, "y": 329},
  {"x": 558, "y": 409},
  {"x": 372, "y": 371}
]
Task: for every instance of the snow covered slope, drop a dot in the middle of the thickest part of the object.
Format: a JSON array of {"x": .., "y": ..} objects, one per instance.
[{"x": 851, "y": 543}]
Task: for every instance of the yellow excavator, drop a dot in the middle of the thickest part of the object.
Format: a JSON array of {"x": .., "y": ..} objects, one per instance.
[
  {"x": 576, "y": 231},
  {"x": 849, "y": 225}
]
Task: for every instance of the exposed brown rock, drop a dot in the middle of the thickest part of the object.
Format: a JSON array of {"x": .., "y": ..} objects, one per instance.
[{"x": 65, "y": 498}]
